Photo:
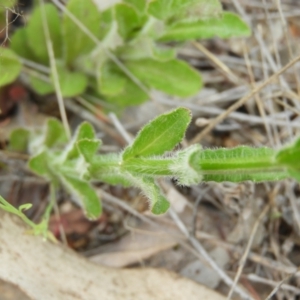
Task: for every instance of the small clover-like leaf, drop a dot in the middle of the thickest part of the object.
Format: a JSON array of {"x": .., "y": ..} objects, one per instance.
[
  {"x": 173, "y": 77},
  {"x": 160, "y": 135},
  {"x": 10, "y": 66},
  {"x": 18, "y": 140},
  {"x": 83, "y": 192}
]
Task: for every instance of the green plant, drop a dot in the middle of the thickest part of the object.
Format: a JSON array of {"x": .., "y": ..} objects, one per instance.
[
  {"x": 77, "y": 164},
  {"x": 117, "y": 54}
]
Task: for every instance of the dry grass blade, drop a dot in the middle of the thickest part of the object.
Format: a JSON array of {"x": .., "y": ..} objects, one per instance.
[{"x": 239, "y": 103}]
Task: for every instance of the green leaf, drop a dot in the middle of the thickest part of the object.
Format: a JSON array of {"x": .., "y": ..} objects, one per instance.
[
  {"x": 111, "y": 80},
  {"x": 84, "y": 193},
  {"x": 88, "y": 148},
  {"x": 164, "y": 9},
  {"x": 71, "y": 83},
  {"x": 139, "y": 5},
  {"x": 289, "y": 155},
  {"x": 36, "y": 36},
  {"x": 127, "y": 18},
  {"x": 76, "y": 41},
  {"x": 41, "y": 86},
  {"x": 131, "y": 94},
  {"x": 145, "y": 47},
  {"x": 10, "y": 66},
  {"x": 230, "y": 25},
  {"x": 7, "y": 4},
  {"x": 39, "y": 164},
  {"x": 25, "y": 206},
  {"x": 55, "y": 133},
  {"x": 106, "y": 22},
  {"x": 84, "y": 131},
  {"x": 159, "y": 204},
  {"x": 19, "y": 44},
  {"x": 18, "y": 140},
  {"x": 160, "y": 135},
  {"x": 173, "y": 77}
]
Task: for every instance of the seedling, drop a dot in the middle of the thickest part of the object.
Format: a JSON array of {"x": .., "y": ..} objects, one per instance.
[{"x": 76, "y": 164}]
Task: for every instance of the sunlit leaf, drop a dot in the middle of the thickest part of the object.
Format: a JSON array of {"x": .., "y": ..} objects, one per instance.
[
  {"x": 10, "y": 66},
  {"x": 173, "y": 77},
  {"x": 160, "y": 135},
  {"x": 230, "y": 25}
]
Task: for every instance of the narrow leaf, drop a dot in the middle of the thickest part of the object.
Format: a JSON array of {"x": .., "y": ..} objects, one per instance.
[
  {"x": 83, "y": 192},
  {"x": 10, "y": 66},
  {"x": 160, "y": 135},
  {"x": 230, "y": 25},
  {"x": 76, "y": 41},
  {"x": 173, "y": 77}
]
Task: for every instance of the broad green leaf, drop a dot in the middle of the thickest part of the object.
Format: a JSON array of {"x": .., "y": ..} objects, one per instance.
[
  {"x": 84, "y": 192},
  {"x": 230, "y": 25},
  {"x": 39, "y": 164},
  {"x": 88, "y": 148},
  {"x": 55, "y": 133},
  {"x": 127, "y": 18},
  {"x": 18, "y": 140},
  {"x": 36, "y": 35},
  {"x": 173, "y": 77},
  {"x": 76, "y": 41},
  {"x": 41, "y": 86},
  {"x": 131, "y": 94},
  {"x": 111, "y": 80},
  {"x": 139, "y": 5},
  {"x": 71, "y": 83},
  {"x": 10, "y": 66},
  {"x": 160, "y": 135},
  {"x": 19, "y": 44}
]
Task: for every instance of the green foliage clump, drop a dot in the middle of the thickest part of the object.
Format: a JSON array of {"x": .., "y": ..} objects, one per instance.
[{"x": 118, "y": 54}]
